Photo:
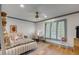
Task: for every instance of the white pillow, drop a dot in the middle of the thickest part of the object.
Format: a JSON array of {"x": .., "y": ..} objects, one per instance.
[
  {"x": 12, "y": 43},
  {"x": 18, "y": 39},
  {"x": 28, "y": 40}
]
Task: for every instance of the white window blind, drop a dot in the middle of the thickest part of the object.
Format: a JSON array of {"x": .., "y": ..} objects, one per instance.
[
  {"x": 61, "y": 30},
  {"x": 48, "y": 30},
  {"x": 55, "y": 30}
]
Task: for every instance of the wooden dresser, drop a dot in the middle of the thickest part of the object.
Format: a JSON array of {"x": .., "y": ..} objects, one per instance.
[
  {"x": 76, "y": 45},
  {"x": 76, "y": 42}
]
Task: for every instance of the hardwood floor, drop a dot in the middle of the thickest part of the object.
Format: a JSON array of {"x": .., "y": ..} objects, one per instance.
[{"x": 52, "y": 49}]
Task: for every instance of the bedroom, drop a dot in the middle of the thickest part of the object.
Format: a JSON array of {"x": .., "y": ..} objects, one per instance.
[{"x": 37, "y": 20}]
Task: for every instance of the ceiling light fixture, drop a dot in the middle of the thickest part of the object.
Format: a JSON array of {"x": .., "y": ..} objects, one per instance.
[
  {"x": 22, "y": 6},
  {"x": 45, "y": 16}
]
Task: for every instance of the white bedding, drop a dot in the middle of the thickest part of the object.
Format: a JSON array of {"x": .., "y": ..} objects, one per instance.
[
  {"x": 19, "y": 42},
  {"x": 20, "y": 49}
]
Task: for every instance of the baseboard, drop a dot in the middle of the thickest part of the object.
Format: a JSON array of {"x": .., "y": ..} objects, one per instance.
[{"x": 64, "y": 46}]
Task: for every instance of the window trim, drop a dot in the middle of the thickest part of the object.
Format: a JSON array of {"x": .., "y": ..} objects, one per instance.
[{"x": 65, "y": 27}]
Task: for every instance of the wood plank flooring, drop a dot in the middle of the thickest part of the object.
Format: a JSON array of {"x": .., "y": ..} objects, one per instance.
[{"x": 51, "y": 49}]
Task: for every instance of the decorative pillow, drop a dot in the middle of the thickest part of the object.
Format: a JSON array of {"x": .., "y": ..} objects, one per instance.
[
  {"x": 16, "y": 39},
  {"x": 12, "y": 43},
  {"x": 13, "y": 37},
  {"x": 28, "y": 40},
  {"x": 25, "y": 36}
]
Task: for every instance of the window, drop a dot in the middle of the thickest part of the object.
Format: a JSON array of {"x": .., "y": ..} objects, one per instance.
[
  {"x": 61, "y": 30},
  {"x": 55, "y": 30},
  {"x": 47, "y": 28}
]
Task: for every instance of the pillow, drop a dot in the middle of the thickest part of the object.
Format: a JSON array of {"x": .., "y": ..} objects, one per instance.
[
  {"x": 12, "y": 43},
  {"x": 25, "y": 36},
  {"x": 13, "y": 38},
  {"x": 16, "y": 39},
  {"x": 20, "y": 35},
  {"x": 28, "y": 40}
]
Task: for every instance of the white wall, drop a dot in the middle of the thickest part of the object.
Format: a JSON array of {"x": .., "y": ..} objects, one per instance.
[
  {"x": 25, "y": 27},
  {"x": 22, "y": 26},
  {"x": 72, "y": 22}
]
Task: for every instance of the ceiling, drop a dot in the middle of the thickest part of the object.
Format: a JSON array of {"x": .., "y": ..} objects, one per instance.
[{"x": 45, "y": 10}]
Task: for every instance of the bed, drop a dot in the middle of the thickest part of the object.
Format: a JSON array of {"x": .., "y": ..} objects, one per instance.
[
  {"x": 22, "y": 48},
  {"x": 19, "y": 46}
]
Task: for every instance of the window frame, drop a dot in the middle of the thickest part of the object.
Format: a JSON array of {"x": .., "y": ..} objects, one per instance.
[
  {"x": 65, "y": 27},
  {"x": 49, "y": 30}
]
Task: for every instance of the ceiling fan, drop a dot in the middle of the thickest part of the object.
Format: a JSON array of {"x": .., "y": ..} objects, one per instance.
[{"x": 37, "y": 14}]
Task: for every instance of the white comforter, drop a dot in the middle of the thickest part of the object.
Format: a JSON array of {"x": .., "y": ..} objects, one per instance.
[{"x": 25, "y": 46}]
